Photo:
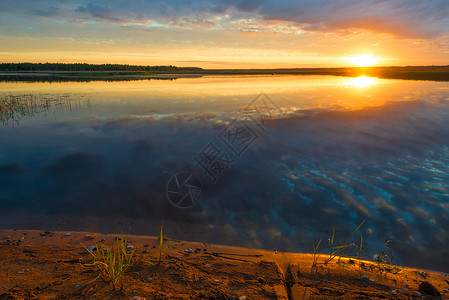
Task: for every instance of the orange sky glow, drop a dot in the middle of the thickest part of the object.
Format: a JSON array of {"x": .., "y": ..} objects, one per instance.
[{"x": 226, "y": 34}]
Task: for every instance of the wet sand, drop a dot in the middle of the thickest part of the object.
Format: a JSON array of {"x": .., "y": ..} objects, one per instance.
[{"x": 52, "y": 265}]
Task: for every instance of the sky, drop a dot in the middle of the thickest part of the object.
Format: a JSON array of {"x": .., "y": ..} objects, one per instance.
[{"x": 226, "y": 33}]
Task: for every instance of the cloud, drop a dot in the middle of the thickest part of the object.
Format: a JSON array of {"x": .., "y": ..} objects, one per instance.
[
  {"x": 398, "y": 18},
  {"x": 101, "y": 12}
]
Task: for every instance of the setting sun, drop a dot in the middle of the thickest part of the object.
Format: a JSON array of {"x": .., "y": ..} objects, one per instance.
[{"x": 365, "y": 60}]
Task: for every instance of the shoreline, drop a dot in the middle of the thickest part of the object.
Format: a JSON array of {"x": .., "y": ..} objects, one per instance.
[
  {"x": 426, "y": 73},
  {"x": 214, "y": 270}
]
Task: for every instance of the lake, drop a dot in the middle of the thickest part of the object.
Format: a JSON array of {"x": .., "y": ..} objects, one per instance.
[{"x": 272, "y": 162}]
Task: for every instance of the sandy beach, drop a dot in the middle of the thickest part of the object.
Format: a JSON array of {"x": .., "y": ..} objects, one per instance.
[{"x": 53, "y": 265}]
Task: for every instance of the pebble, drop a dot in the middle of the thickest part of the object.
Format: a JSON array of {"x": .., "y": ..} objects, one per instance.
[
  {"x": 129, "y": 247},
  {"x": 394, "y": 292},
  {"x": 417, "y": 294},
  {"x": 7, "y": 237},
  {"x": 145, "y": 245},
  {"x": 372, "y": 281},
  {"x": 446, "y": 291},
  {"x": 426, "y": 287},
  {"x": 198, "y": 249},
  {"x": 400, "y": 290},
  {"x": 92, "y": 248},
  {"x": 317, "y": 282},
  {"x": 22, "y": 239},
  {"x": 67, "y": 234},
  {"x": 189, "y": 250},
  {"x": 261, "y": 280},
  {"x": 208, "y": 265},
  {"x": 365, "y": 278},
  {"x": 242, "y": 298},
  {"x": 89, "y": 237}
]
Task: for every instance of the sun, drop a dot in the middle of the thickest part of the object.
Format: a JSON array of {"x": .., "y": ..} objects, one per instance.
[{"x": 365, "y": 60}]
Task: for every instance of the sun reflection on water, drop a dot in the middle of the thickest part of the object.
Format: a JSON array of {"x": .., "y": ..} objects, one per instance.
[{"x": 362, "y": 81}]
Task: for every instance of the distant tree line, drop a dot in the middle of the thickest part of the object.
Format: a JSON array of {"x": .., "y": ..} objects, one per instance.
[{"x": 81, "y": 67}]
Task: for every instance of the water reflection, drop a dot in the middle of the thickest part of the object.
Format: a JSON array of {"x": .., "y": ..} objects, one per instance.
[
  {"x": 362, "y": 81},
  {"x": 14, "y": 107},
  {"x": 335, "y": 155}
]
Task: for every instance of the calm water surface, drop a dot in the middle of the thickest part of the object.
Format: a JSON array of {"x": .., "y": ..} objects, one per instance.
[{"x": 98, "y": 155}]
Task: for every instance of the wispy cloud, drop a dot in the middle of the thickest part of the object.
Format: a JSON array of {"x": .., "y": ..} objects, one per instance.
[
  {"x": 413, "y": 30},
  {"x": 394, "y": 17}
]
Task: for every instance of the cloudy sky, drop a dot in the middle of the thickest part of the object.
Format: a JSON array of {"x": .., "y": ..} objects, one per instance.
[{"x": 225, "y": 33}]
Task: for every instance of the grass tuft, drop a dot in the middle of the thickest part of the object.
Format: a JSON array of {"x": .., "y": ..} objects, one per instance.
[{"x": 112, "y": 262}]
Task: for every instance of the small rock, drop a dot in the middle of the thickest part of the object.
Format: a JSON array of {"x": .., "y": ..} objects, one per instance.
[
  {"x": 68, "y": 234},
  {"x": 446, "y": 291},
  {"x": 394, "y": 292},
  {"x": 417, "y": 294},
  {"x": 426, "y": 287},
  {"x": 129, "y": 247},
  {"x": 208, "y": 265},
  {"x": 372, "y": 281},
  {"x": 101, "y": 241},
  {"x": 22, "y": 239},
  {"x": 145, "y": 245},
  {"x": 7, "y": 237},
  {"x": 400, "y": 290},
  {"x": 242, "y": 298},
  {"x": 189, "y": 250},
  {"x": 261, "y": 280},
  {"x": 137, "y": 298},
  {"x": 47, "y": 232},
  {"x": 365, "y": 278},
  {"x": 89, "y": 237},
  {"x": 92, "y": 248},
  {"x": 317, "y": 282}
]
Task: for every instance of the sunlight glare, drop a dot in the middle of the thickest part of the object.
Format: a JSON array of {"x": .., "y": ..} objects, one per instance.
[
  {"x": 365, "y": 60},
  {"x": 361, "y": 82}
]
